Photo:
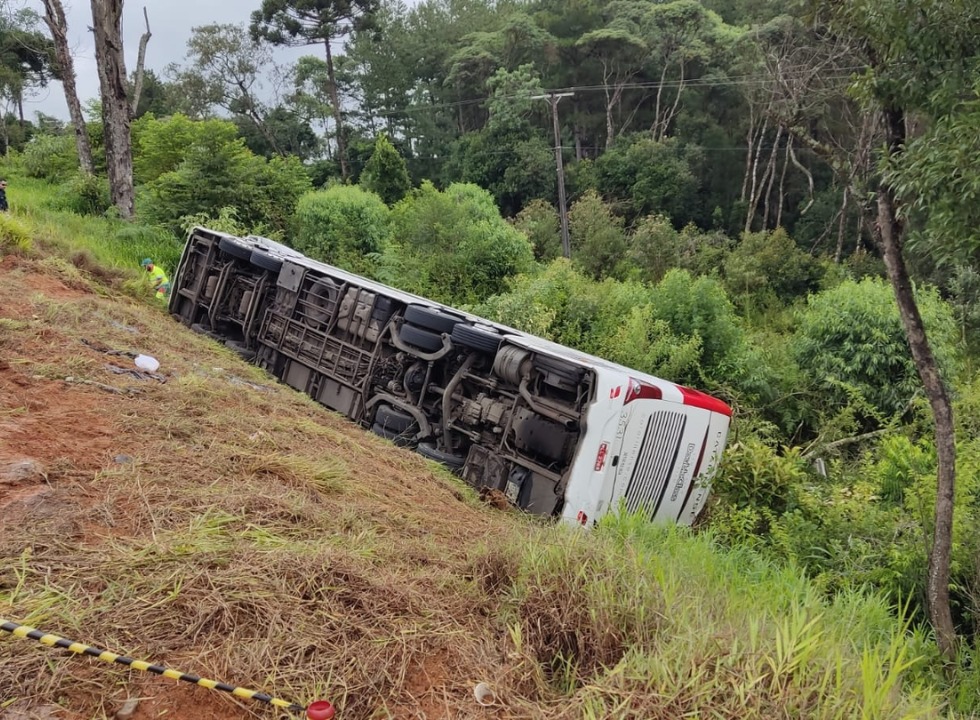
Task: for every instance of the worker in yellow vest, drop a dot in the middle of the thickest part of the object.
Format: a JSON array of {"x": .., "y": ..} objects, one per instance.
[{"x": 161, "y": 283}]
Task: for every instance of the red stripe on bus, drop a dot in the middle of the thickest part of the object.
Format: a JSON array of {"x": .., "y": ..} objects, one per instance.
[{"x": 696, "y": 398}]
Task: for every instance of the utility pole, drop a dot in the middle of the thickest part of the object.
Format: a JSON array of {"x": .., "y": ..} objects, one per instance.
[{"x": 553, "y": 99}]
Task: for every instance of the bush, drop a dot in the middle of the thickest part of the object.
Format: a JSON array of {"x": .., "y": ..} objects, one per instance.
[
  {"x": 540, "y": 223},
  {"x": 160, "y": 146},
  {"x": 134, "y": 242},
  {"x": 851, "y": 346},
  {"x": 656, "y": 177},
  {"x": 655, "y": 247},
  {"x": 611, "y": 319},
  {"x": 386, "y": 174},
  {"x": 216, "y": 174},
  {"x": 454, "y": 246},
  {"x": 699, "y": 308},
  {"x": 766, "y": 265},
  {"x": 51, "y": 157},
  {"x": 85, "y": 195},
  {"x": 597, "y": 237},
  {"x": 343, "y": 225},
  {"x": 15, "y": 236}
]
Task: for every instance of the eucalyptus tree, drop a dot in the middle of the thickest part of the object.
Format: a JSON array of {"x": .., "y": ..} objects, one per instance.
[{"x": 54, "y": 17}]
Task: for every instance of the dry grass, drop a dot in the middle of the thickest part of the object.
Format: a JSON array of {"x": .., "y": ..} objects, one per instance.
[{"x": 230, "y": 527}]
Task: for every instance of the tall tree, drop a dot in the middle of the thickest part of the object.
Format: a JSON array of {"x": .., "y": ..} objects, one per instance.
[
  {"x": 621, "y": 55},
  {"x": 921, "y": 59},
  {"x": 313, "y": 22},
  {"x": 26, "y": 57},
  {"x": 226, "y": 71},
  {"x": 107, "y": 26},
  {"x": 54, "y": 17}
]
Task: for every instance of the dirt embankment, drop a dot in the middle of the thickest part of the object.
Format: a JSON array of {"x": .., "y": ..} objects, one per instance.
[{"x": 213, "y": 521}]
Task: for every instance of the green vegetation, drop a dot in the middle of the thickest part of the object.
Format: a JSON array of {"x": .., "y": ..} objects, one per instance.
[
  {"x": 719, "y": 157},
  {"x": 344, "y": 226},
  {"x": 313, "y": 559}
]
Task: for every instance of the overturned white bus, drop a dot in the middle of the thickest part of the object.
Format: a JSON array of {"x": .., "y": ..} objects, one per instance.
[{"x": 561, "y": 433}]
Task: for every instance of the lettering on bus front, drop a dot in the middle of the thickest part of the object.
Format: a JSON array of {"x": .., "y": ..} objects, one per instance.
[{"x": 685, "y": 469}]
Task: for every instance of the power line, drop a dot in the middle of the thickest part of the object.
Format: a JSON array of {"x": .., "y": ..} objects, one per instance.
[{"x": 738, "y": 81}]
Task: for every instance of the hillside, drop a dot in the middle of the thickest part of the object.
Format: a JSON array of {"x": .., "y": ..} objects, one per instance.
[{"x": 215, "y": 522}]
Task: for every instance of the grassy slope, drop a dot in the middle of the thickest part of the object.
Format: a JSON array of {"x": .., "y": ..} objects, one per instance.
[{"x": 250, "y": 536}]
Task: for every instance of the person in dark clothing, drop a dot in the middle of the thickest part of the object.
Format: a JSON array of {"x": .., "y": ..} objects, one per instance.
[{"x": 3, "y": 196}]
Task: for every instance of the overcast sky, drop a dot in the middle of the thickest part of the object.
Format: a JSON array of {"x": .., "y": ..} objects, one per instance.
[{"x": 170, "y": 21}]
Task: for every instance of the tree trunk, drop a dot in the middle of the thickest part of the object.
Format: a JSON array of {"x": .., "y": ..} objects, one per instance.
[
  {"x": 655, "y": 129},
  {"x": 750, "y": 143},
  {"x": 107, "y": 25},
  {"x": 802, "y": 168},
  {"x": 753, "y": 190},
  {"x": 337, "y": 114},
  {"x": 771, "y": 172},
  {"x": 610, "y": 130},
  {"x": 4, "y": 134},
  {"x": 54, "y": 17},
  {"x": 140, "y": 65},
  {"x": 842, "y": 228},
  {"x": 889, "y": 233},
  {"x": 782, "y": 183},
  {"x": 672, "y": 113}
]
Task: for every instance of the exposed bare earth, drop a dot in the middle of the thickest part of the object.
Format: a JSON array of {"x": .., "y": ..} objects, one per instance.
[{"x": 222, "y": 525}]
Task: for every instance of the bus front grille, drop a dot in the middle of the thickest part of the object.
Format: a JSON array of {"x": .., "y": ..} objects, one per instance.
[{"x": 658, "y": 454}]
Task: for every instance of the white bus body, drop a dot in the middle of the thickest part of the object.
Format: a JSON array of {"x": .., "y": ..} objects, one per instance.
[{"x": 559, "y": 432}]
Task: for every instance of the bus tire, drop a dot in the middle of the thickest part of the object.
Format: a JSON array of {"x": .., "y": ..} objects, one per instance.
[
  {"x": 430, "y": 318},
  {"x": 230, "y": 247},
  {"x": 430, "y": 451},
  {"x": 424, "y": 340},
  {"x": 392, "y": 419},
  {"x": 202, "y": 330},
  {"x": 400, "y": 439},
  {"x": 240, "y": 349},
  {"x": 264, "y": 260},
  {"x": 477, "y": 339}
]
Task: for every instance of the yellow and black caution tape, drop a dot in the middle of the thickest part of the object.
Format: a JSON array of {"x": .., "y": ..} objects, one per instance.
[{"x": 320, "y": 710}]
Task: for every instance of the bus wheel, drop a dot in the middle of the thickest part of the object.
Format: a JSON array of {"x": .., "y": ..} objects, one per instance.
[
  {"x": 230, "y": 247},
  {"x": 400, "y": 439},
  {"x": 239, "y": 347},
  {"x": 430, "y": 451},
  {"x": 424, "y": 340},
  {"x": 475, "y": 338},
  {"x": 431, "y": 318},
  {"x": 393, "y": 420},
  {"x": 265, "y": 261}
]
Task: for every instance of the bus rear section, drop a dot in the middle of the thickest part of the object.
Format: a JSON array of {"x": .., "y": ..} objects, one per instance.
[{"x": 652, "y": 447}]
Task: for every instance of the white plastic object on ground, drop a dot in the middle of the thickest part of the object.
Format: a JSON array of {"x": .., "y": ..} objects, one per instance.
[
  {"x": 484, "y": 695},
  {"x": 147, "y": 363}
]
